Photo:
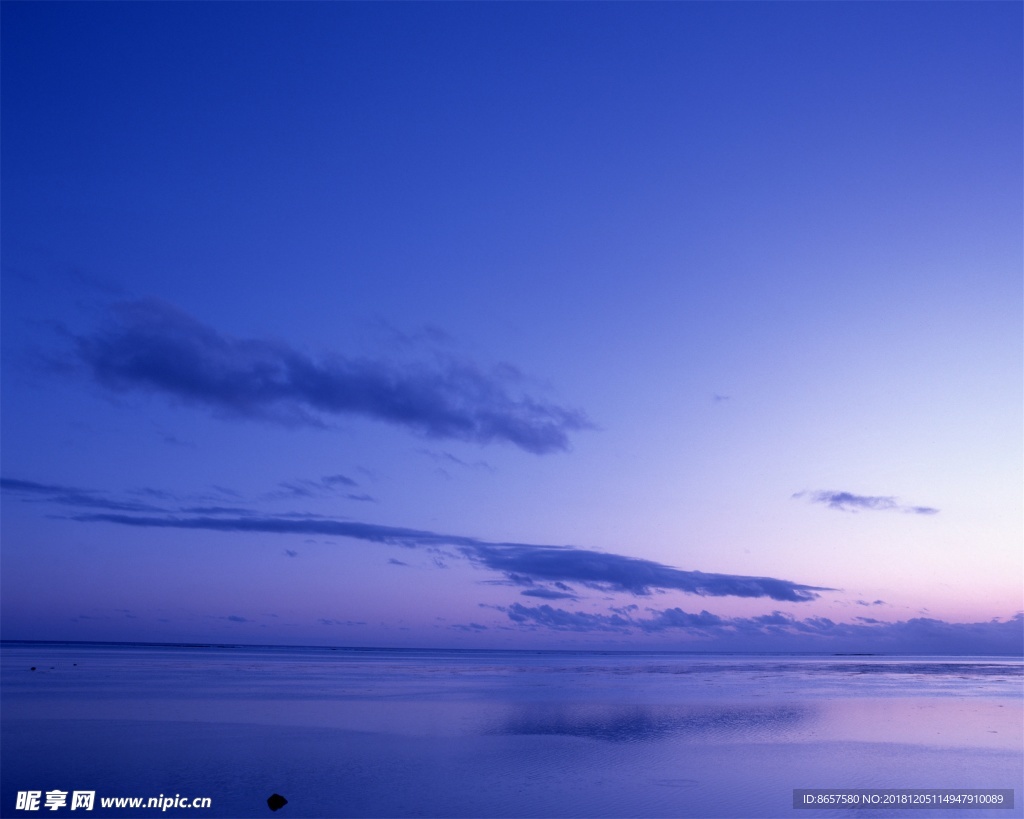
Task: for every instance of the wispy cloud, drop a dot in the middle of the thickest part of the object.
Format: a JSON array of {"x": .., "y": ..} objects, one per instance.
[
  {"x": 328, "y": 486},
  {"x": 172, "y": 503},
  {"x": 850, "y": 502},
  {"x": 521, "y": 563},
  {"x": 448, "y": 458},
  {"x": 70, "y": 496},
  {"x": 152, "y": 346}
]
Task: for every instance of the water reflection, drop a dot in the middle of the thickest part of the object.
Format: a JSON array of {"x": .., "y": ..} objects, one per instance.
[
  {"x": 640, "y": 723},
  {"x": 953, "y": 669}
]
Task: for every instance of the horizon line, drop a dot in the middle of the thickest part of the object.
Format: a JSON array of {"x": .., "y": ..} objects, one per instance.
[{"x": 192, "y": 644}]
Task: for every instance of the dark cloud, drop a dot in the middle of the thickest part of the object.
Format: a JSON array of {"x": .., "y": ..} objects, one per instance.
[
  {"x": 521, "y": 563},
  {"x": 15, "y": 485},
  {"x": 549, "y": 594},
  {"x": 152, "y": 346},
  {"x": 849, "y": 502},
  {"x": 336, "y": 480},
  {"x": 677, "y": 618},
  {"x": 613, "y": 572},
  {"x": 92, "y": 499},
  {"x": 780, "y": 630},
  {"x": 324, "y": 621},
  {"x": 234, "y": 618},
  {"x": 69, "y": 496},
  {"x": 291, "y": 553},
  {"x": 152, "y": 492},
  {"x": 394, "y": 562},
  {"x": 562, "y": 620},
  {"x": 471, "y": 627},
  {"x": 296, "y": 489},
  {"x": 330, "y": 486},
  {"x": 215, "y": 510}
]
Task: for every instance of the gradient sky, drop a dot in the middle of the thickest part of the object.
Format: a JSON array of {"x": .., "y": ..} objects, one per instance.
[{"x": 679, "y": 326}]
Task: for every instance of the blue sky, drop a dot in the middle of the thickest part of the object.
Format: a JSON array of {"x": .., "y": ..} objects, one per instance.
[{"x": 688, "y": 326}]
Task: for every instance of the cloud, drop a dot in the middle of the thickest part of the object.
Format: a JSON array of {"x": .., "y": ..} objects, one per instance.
[
  {"x": 781, "y": 631},
  {"x": 174, "y": 441},
  {"x": 89, "y": 498},
  {"x": 335, "y": 480},
  {"x": 328, "y": 486},
  {"x": 471, "y": 627},
  {"x": 849, "y": 502},
  {"x": 549, "y": 594},
  {"x": 612, "y": 572},
  {"x": 448, "y": 458},
  {"x": 677, "y": 618},
  {"x": 562, "y": 620},
  {"x": 152, "y": 346},
  {"x": 521, "y": 563},
  {"x": 215, "y": 510},
  {"x": 69, "y": 496}
]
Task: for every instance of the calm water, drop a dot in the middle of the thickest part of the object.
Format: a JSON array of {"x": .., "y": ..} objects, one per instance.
[{"x": 396, "y": 733}]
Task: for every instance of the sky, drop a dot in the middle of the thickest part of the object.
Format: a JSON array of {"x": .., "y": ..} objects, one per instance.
[{"x": 658, "y": 326}]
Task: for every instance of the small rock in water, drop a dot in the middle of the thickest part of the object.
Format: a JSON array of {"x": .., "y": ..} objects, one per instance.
[{"x": 275, "y": 801}]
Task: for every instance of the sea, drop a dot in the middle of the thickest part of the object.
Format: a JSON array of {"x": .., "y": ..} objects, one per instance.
[{"x": 218, "y": 730}]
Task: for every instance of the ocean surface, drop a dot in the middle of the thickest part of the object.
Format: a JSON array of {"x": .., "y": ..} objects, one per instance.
[{"x": 395, "y": 733}]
